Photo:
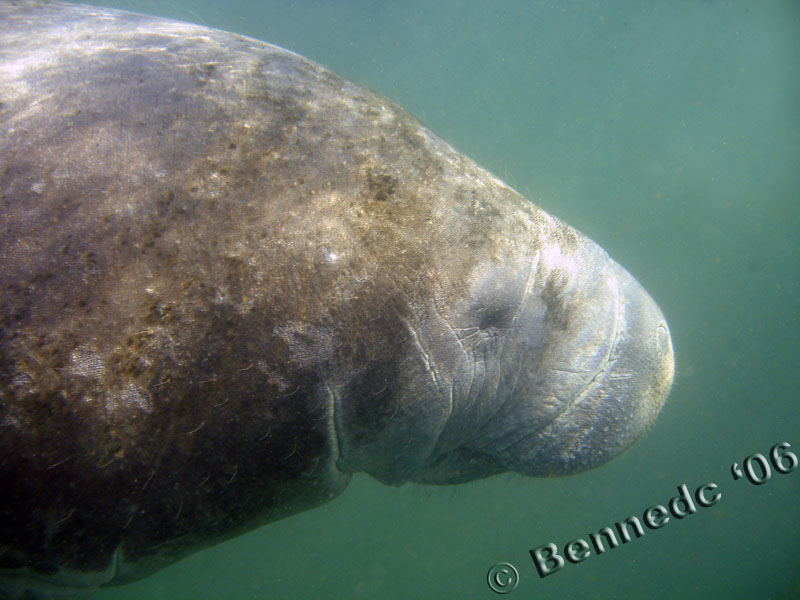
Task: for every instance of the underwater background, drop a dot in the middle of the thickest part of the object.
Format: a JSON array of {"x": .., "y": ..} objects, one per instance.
[{"x": 669, "y": 133}]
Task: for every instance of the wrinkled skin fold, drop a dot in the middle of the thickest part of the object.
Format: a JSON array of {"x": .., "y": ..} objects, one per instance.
[{"x": 231, "y": 278}]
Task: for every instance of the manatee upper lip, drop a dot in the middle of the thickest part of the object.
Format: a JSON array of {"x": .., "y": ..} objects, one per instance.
[
  {"x": 598, "y": 375},
  {"x": 610, "y": 406},
  {"x": 624, "y": 396},
  {"x": 609, "y": 362}
]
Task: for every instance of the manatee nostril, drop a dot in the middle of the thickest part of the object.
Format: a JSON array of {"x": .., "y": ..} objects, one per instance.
[{"x": 663, "y": 339}]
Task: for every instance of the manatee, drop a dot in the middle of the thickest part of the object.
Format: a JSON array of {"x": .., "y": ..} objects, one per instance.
[{"x": 231, "y": 279}]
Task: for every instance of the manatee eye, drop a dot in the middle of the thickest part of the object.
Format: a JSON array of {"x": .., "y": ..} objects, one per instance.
[{"x": 498, "y": 317}]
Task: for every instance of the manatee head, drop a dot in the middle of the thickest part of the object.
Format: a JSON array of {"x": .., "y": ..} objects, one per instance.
[
  {"x": 586, "y": 373},
  {"x": 552, "y": 360},
  {"x": 586, "y": 365}
]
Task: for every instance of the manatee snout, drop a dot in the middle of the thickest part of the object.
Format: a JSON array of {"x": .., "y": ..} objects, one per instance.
[
  {"x": 586, "y": 369},
  {"x": 620, "y": 400}
]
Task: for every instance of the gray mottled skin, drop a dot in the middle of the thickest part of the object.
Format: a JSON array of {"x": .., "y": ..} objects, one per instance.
[{"x": 231, "y": 278}]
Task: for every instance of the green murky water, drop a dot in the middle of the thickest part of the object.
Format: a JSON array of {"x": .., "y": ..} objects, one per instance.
[{"x": 669, "y": 132}]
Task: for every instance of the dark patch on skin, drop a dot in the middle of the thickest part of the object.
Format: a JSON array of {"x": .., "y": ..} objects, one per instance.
[
  {"x": 556, "y": 301},
  {"x": 205, "y": 71},
  {"x": 381, "y": 185}
]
